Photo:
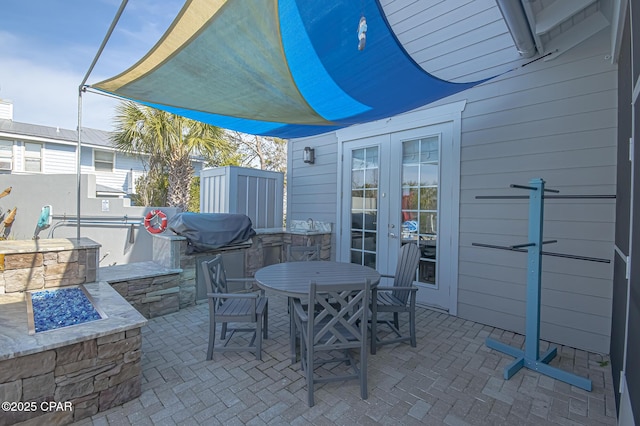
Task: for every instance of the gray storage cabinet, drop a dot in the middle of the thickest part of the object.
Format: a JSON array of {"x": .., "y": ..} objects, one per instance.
[{"x": 253, "y": 192}]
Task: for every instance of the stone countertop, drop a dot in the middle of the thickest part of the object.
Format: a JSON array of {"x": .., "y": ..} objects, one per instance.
[
  {"x": 261, "y": 231},
  {"x": 15, "y": 340},
  {"x": 45, "y": 245},
  {"x": 269, "y": 231},
  {"x": 136, "y": 270}
]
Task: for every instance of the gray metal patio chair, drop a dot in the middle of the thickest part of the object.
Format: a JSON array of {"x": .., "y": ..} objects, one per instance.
[
  {"x": 303, "y": 253},
  {"x": 333, "y": 323},
  {"x": 399, "y": 298},
  {"x": 228, "y": 308}
]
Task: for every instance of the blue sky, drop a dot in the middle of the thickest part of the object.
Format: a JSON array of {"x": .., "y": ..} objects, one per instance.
[{"x": 46, "y": 48}]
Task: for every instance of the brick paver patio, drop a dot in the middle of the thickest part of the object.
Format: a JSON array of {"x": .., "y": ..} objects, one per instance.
[{"x": 451, "y": 378}]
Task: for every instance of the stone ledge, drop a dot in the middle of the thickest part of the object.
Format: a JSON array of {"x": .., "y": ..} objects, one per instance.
[
  {"x": 133, "y": 271},
  {"x": 46, "y": 245},
  {"x": 15, "y": 340},
  {"x": 150, "y": 288}
]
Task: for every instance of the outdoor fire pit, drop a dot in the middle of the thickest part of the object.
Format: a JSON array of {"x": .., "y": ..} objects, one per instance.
[{"x": 62, "y": 307}]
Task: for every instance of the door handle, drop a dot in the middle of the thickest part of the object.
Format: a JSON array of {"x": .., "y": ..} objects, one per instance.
[{"x": 392, "y": 235}]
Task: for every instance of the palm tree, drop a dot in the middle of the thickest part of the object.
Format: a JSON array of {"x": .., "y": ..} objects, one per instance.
[{"x": 166, "y": 142}]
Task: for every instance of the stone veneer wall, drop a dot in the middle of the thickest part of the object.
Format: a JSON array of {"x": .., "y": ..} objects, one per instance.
[
  {"x": 255, "y": 255},
  {"x": 187, "y": 276},
  {"x": 39, "y": 270},
  {"x": 93, "y": 375},
  {"x": 151, "y": 296},
  {"x": 171, "y": 252}
]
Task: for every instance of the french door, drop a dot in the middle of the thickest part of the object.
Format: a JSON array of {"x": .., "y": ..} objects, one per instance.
[{"x": 397, "y": 189}]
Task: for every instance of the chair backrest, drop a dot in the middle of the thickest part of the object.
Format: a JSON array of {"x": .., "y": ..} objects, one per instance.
[
  {"x": 303, "y": 253},
  {"x": 406, "y": 270},
  {"x": 338, "y": 314},
  {"x": 215, "y": 277}
]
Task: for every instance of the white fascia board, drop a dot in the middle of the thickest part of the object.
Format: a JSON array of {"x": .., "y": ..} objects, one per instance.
[{"x": 420, "y": 118}]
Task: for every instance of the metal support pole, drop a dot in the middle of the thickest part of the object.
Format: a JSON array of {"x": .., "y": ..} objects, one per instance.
[
  {"x": 82, "y": 88},
  {"x": 78, "y": 158}
]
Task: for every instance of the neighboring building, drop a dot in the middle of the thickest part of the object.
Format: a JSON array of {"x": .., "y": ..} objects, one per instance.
[
  {"x": 30, "y": 148},
  {"x": 416, "y": 176}
]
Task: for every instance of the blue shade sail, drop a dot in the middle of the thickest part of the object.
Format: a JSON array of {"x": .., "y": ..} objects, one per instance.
[{"x": 283, "y": 68}]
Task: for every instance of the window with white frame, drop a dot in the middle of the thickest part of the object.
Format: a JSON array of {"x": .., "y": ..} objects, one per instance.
[
  {"x": 103, "y": 160},
  {"x": 6, "y": 155},
  {"x": 32, "y": 157}
]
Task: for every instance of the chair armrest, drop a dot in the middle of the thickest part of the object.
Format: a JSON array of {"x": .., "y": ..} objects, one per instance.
[
  {"x": 238, "y": 280},
  {"x": 262, "y": 305},
  {"x": 299, "y": 310},
  {"x": 382, "y": 288},
  {"x": 234, "y": 295},
  {"x": 387, "y": 276},
  {"x": 379, "y": 288}
]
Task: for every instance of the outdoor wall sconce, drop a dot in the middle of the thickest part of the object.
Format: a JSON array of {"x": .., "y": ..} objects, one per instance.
[{"x": 308, "y": 155}]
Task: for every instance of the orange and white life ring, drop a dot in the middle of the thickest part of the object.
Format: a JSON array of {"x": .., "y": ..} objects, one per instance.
[{"x": 155, "y": 221}]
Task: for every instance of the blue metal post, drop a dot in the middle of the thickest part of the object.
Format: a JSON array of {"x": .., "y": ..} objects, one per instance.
[
  {"x": 534, "y": 268},
  {"x": 530, "y": 357}
]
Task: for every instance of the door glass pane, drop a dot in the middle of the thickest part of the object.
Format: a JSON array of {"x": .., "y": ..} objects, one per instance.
[
  {"x": 371, "y": 178},
  {"x": 428, "y": 225},
  {"x": 370, "y": 260},
  {"x": 428, "y": 175},
  {"x": 357, "y": 179},
  {"x": 429, "y": 151},
  {"x": 410, "y": 198},
  {"x": 410, "y": 175},
  {"x": 364, "y": 205},
  {"x": 428, "y": 198},
  {"x": 371, "y": 155},
  {"x": 357, "y": 201},
  {"x": 357, "y": 161},
  {"x": 410, "y": 152},
  {"x": 356, "y": 240},
  {"x": 419, "y": 209}
]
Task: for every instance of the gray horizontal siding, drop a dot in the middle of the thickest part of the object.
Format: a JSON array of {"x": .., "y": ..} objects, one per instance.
[
  {"x": 590, "y": 178},
  {"x": 311, "y": 188},
  {"x": 515, "y": 262},
  {"x": 496, "y": 279},
  {"x": 585, "y": 231},
  {"x": 557, "y": 121}
]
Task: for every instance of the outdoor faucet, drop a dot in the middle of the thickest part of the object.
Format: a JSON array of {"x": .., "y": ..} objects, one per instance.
[{"x": 310, "y": 223}]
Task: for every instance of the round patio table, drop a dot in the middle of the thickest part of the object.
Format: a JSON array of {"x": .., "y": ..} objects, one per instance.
[{"x": 292, "y": 279}]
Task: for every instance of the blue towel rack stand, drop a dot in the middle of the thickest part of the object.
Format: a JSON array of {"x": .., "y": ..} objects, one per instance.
[{"x": 531, "y": 357}]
